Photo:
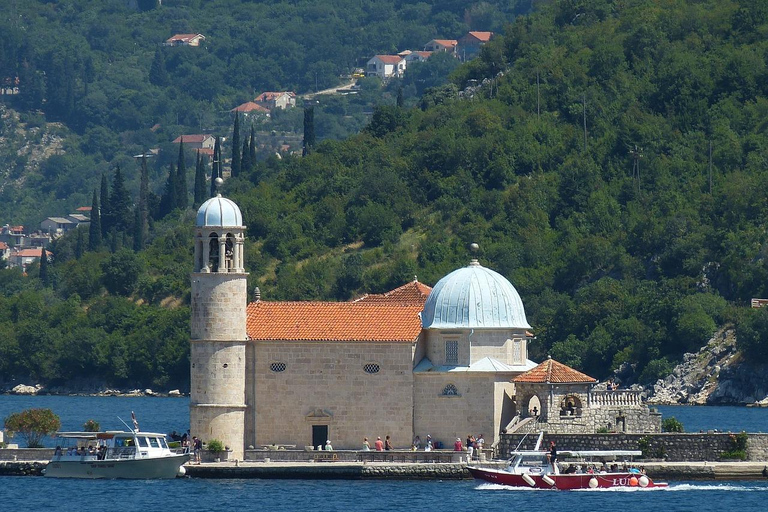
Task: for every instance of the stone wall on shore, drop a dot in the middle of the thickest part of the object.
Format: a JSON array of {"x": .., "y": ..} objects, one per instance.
[{"x": 682, "y": 447}]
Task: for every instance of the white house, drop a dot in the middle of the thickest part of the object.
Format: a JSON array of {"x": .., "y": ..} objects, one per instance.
[
  {"x": 57, "y": 225},
  {"x": 184, "y": 40},
  {"x": 442, "y": 45},
  {"x": 386, "y": 66},
  {"x": 279, "y": 99},
  {"x": 417, "y": 57}
]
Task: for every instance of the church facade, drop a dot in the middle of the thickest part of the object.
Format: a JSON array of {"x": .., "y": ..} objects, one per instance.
[{"x": 414, "y": 361}]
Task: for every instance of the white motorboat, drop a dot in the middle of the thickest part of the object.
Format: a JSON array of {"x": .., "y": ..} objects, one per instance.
[{"x": 114, "y": 454}]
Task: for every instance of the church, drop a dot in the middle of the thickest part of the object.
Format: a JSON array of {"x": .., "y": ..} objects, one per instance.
[{"x": 414, "y": 361}]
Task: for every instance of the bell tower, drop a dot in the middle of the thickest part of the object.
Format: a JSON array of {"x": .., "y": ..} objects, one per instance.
[{"x": 218, "y": 337}]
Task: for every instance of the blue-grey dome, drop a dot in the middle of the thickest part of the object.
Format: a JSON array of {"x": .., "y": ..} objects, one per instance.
[
  {"x": 474, "y": 297},
  {"x": 219, "y": 212}
]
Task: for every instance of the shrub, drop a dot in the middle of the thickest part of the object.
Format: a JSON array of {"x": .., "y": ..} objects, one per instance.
[
  {"x": 738, "y": 445},
  {"x": 91, "y": 426},
  {"x": 671, "y": 424},
  {"x": 214, "y": 445},
  {"x": 33, "y": 425}
]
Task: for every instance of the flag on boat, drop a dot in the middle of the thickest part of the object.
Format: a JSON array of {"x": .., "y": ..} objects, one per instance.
[{"x": 135, "y": 423}]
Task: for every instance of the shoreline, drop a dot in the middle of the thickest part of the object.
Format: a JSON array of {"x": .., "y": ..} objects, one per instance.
[{"x": 671, "y": 471}]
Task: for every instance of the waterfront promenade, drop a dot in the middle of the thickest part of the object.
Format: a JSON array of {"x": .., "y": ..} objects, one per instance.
[{"x": 672, "y": 471}]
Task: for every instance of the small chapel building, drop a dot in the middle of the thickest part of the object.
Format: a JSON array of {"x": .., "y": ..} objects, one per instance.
[{"x": 414, "y": 361}]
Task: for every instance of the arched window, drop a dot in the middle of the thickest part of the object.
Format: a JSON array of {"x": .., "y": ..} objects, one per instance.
[
  {"x": 213, "y": 252},
  {"x": 570, "y": 406},
  {"x": 450, "y": 390}
]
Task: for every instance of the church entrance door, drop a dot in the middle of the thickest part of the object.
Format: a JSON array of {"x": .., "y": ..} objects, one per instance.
[{"x": 319, "y": 435}]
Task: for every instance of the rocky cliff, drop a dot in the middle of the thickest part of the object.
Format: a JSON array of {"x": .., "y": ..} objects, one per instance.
[{"x": 715, "y": 375}]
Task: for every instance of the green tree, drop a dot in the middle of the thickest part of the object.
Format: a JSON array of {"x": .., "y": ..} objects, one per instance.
[
  {"x": 119, "y": 203},
  {"x": 236, "y": 160},
  {"x": 168, "y": 201},
  {"x": 158, "y": 75},
  {"x": 106, "y": 208},
  {"x": 181, "y": 180},
  {"x": 246, "y": 165},
  {"x": 199, "y": 181},
  {"x": 252, "y": 147},
  {"x": 91, "y": 426},
  {"x": 94, "y": 228},
  {"x": 44, "y": 272},
  {"x": 33, "y": 425},
  {"x": 141, "y": 228},
  {"x": 309, "y": 130},
  {"x": 121, "y": 272}
]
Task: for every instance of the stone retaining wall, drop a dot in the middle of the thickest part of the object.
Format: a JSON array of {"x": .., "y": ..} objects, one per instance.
[
  {"x": 26, "y": 454},
  {"x": 666, "y": 446}
]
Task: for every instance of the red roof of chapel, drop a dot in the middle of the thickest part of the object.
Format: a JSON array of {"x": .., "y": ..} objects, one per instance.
[{"x": 551, "y": 372}]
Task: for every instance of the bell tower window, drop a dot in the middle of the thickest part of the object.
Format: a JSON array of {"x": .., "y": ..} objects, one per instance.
[
  {"x": 451, "y": 351},
  {"x": 213, "y": 252}
]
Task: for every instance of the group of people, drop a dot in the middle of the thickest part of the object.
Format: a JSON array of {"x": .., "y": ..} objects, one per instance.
[
  {"x": 378, "y": 445},
  {"x": 474, "y": 446},
  {"x": 82, "y": 451}
]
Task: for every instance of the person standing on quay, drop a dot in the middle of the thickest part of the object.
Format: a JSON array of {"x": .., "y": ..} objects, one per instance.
[
  {"x": 387, "y": 444},
  {"x": 379, "y": 444}
]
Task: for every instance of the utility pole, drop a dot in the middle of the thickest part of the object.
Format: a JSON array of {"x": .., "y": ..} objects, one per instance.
[{"x": 637, "y": 154}]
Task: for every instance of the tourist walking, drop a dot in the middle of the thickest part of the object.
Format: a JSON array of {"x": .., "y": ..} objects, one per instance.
[
  {"x": 429, "y": 446},
  {"x": 197, "y": 446},
  {"x": 470, "y": 446},
  {"x": 379, "y": 444},
  {"x": 387, "y": 444},
  {"x": 366, "y": 445},
  {"x": 457, "y": 446}
]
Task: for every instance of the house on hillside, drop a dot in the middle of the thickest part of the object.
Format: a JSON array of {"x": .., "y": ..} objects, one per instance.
[
  {"x": 13, "y": 235},
  {"x": 249, "y": 108},
  {"x": 469, "y": 45},
  {"x": 273, "y": 100},
  {"x": 57, "y": 225},
  {"x": 442, "y": 45},
  {"x": 184, "y": 40},
  {"x": 417, "y": 57},
  {"x": 23, "y": 257},
  {"x": 203, "y": 143},
  {"x": 386, "y": 66},
  {"x": 5, "y": 251}
]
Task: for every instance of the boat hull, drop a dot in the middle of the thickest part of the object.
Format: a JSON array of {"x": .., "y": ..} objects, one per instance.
[
  {"x": 564, "y": 481},
  {"x": 149, "y": 468}
]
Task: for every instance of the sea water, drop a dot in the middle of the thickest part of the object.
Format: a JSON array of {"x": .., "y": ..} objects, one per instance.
[
  {"x": 63, "y": 495},
  {"x": 168, "y": 414}
]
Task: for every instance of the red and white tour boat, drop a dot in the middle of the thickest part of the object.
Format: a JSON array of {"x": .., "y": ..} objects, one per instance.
[{"x": 532, "y": 469}]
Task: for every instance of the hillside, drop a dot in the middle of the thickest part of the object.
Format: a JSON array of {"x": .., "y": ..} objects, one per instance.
[{"x": 608, "y": 157}]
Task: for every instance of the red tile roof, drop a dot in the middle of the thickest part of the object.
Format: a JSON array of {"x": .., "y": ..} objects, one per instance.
[
  {"x": 271, "y": 95},
  {"x": 30, "y": 253},
  {"x": 84, "y": 209},
  {"x": 551, "y": 371},
  {"x": 410, "y": 294},
  {"x": 190, "y": 139},
  {"x": 333, "y": 321},
  {"x": 184, "y": 37},
  {"x": 205, "y": 151},
  {"x": 389, "y": 59},
  {"x": 3, "y": 246},
  {"x": 249, "y": 106},
  {"x": 481, "y": 36},
  {"x": 449, "y": 43}
]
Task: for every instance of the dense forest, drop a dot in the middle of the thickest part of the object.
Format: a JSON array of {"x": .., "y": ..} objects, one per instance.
[{"x": 609, "y": 157}]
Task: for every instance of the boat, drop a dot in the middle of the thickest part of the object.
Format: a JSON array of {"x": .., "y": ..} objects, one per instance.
[
  {"x": 585, "y": 469},
  {"x": 114, "y": 454}
]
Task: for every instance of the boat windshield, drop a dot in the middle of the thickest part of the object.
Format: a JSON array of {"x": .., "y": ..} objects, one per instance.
[{"x": 153, "y": 442}]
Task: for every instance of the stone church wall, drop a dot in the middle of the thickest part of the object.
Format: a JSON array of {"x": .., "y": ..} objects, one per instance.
[{"x": 326, "y": 384}]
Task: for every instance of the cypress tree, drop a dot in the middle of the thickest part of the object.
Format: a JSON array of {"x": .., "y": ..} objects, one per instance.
[
  {"x": 79, "y": 244},
  {"x": 199, "y": 181},
  {"x": 181, "y": 179},
  {"x": 400, "y": 99},
  {"x": 44, "y": 267},
  {"x": 216, "y": 169},
  {"x": 168, "y": 200},
  {"x": 236, "y": 160},
  {"x": 245, "y": 163},
  {"x": 309, "y": 130},
  {"x": 120, "y": 203},
  {"x": 158, "y": 75},
  {"x": 94, "y": 229},
  {"x": 252, "y": 147},
  {"x": 141, "y": 229},
  {"x": 106, "y": 211}
]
